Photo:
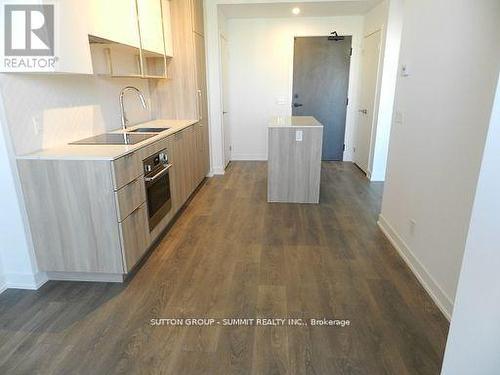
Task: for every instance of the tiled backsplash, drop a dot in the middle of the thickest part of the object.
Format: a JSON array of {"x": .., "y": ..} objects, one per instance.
[{"x": 47, "y": 111}]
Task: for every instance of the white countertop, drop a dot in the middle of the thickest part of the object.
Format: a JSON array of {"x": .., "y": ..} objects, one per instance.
[
  {"x": 109, "y": 152},
  {"x": 294, "y": 121}
]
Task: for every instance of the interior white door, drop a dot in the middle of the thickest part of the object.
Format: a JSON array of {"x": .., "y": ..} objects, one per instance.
[
  {"x": 225, "y": 104},
  {"x": 365, "y": 124}
]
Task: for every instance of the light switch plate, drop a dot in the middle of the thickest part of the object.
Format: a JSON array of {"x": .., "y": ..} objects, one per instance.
[
  {"x": 37, "y": 124},
  {"x": 299, "y": 135},
  {"x": 398, "y": 117}
]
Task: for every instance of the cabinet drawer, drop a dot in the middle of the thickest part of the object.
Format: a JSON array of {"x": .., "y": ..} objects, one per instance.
[
  {"x": 134, "y": 236},
  {"x": 126, "y": 169},
  {"x": 129, "y": 197}
]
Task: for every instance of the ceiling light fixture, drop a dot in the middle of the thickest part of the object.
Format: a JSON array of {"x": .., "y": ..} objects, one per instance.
[{"x": 296, "y": 11}]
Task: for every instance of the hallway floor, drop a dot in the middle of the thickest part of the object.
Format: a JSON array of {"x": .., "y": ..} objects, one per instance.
[{"x": 232, "y": 255}]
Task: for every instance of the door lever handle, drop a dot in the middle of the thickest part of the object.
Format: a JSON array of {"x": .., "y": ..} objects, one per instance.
[{"x": 297, "y": 105}]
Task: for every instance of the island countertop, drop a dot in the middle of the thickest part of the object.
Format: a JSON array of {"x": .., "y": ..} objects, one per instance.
[{"x": 294, "y": 121}]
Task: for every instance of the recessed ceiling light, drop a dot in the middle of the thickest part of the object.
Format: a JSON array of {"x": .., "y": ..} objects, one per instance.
[{"x": 296, "y": 11}]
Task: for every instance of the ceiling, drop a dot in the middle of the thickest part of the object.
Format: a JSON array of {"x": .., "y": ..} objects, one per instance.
[{"x": 308, "y": 9}]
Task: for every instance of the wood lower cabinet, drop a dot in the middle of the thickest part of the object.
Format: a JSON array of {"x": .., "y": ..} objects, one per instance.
[
  {"x": 72, "y": 215},
  {"x": 126, "y": 169},
  {"x": 201, "y": 164},
  {"x": 135, "y": 237},
  {"x": 130, "y": 197},
  {"x": 182, "y": 160},
  {"x": 91, "y": 216}
]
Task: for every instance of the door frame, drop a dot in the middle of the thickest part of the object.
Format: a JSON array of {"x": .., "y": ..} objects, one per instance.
[
  {"x": 223, "y": 39},
  {"x": 351, "y": 94},
  {"x": 376, "y": 99}
]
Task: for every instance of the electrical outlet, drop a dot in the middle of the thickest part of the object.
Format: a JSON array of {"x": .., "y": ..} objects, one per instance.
[
  {"x": 413, "y": 226},
  {"x": 37, "y": 125},
  {"x": 281, "y": 100},
  {"x": 299, "y": 134},
  {"x": 398, "y": 117}
]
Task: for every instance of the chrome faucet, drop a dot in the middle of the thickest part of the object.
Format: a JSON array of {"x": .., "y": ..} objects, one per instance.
[{"x": 122, "y": 109}]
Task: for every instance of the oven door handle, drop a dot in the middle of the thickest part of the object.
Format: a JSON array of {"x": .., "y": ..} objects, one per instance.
[{"x": 158, "y": 175}]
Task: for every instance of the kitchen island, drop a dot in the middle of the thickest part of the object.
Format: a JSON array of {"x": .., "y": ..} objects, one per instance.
[{"x": 294, "y": 164}]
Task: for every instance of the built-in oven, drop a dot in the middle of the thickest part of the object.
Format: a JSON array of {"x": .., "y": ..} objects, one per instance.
[{"x": 157, "y": 180}]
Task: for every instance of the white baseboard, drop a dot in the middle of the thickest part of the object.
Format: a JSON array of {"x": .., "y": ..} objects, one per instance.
[
  {"x": 91, "y": 277},
  {"x": 217, "y": 171},
  {"x": 25, "y": 280},
  {"x": 34, "y": 282},
  {"x": 440, "y": 298},
  {"x": 348, "y": 156},
  {"x": 248, "y": 157}
]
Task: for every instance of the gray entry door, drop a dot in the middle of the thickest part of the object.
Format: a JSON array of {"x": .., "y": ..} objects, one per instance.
[{"x": 320, "y": 84}]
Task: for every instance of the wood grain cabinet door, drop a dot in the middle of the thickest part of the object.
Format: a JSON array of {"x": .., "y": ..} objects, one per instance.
[
  {"x": 198, "y": 26},
  {"x": 201, "y": 146},
  {"x": 135, "y": 236},
  {"x": 176, "y": 157},
  {"x": 190, "y": 149},
  {"x": 126, "y": 169}
]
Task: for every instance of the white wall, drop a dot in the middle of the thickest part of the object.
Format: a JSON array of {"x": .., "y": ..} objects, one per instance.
[
  {"x": 376, "y": 18},
  {"x": 381, "y": 134},
  {"x": 435, "y": 152},
  {"x": 16, "y": 257},
  {"x": 67, "y": 107},
  {"x": 261, "y": 71},
  {"x": 474, "y": 336}
]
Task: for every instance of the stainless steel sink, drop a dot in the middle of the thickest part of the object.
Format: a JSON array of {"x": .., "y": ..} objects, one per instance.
[{"x": 147, "y": 130}]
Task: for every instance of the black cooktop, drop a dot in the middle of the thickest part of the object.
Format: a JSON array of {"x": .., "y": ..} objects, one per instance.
[{"x": 114, "y": 139}]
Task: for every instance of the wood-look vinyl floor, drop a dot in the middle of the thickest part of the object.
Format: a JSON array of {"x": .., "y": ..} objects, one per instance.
[{"x": 230, "y": 254}]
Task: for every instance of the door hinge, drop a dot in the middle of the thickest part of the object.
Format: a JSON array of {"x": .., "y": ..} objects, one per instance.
[
  {"x": 347, "y": 102},
  {"x": 230, "y": 148},
  {"x": 343, "y": 148},
  {"x": 350, "y": 53}
]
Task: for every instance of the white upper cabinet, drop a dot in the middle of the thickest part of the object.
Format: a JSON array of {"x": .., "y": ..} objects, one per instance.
[
  {"x": 151, "y": 25},
  {"x": 119, "y": 28},
  {"x": 114, "y": 20},
  {"x": 167, "y": 28}
]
